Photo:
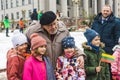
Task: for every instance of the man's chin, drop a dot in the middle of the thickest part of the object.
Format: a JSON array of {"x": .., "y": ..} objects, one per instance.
[
  {"x": 52, "y": 33},
  {"x": 105, "y": 16}
]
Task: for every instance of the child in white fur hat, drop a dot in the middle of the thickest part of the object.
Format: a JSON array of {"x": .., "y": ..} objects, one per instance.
[
  {"x": 115, "y": 66},
  {"x": 15, "y": 56}
]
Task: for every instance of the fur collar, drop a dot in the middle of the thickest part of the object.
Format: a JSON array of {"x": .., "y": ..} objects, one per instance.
[{"x": 85, "y": 46}]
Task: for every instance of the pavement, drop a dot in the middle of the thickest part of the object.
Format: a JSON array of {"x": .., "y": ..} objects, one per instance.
[{"x": 5, "y": 45}]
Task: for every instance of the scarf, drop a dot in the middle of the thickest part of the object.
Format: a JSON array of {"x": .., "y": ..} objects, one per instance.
[{"x": 96, "y": 48}]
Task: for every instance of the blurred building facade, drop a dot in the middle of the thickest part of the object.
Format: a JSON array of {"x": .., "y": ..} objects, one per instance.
[{"x": 15, "y": 9}]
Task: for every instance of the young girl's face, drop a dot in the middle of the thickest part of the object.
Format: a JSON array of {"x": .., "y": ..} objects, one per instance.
[
  {"x": 22, "y": 48},
  {"x": 41, "y": 50},
  {"x": 96, "y": 41},
  {"x": 69, "y": 52}
]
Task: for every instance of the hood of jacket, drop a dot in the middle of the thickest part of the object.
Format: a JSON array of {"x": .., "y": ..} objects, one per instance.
[
  {"x": 116, "y": 47},
  {"x": 85, "y": 46}
]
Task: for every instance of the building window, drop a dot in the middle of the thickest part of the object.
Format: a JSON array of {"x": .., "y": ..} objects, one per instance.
[
  {"x": 68, "y": 13},
  {"x": 58, "y": 2},
  {"x": 81, "y": 3},
  {"x": 106, "y": 2},
  {"x": 11, "y": 3},
  {"x": 23, "y": 2},
  {"x": 29, "y": 12},
  {"x": 68, "y": 2},
  {"x": 12, "y": 16},
  {"x": 2, "y": 5},
  {"x": 17, "y": 15},
  {"x": 29, "y": 1},
  {"x": 2, "y": 17},
  {"x": 7, "y": 15},
  {"x": 17, "y": 3},
  {"x": 6, "y": 4},
  {"x": 90, "y": 3}
]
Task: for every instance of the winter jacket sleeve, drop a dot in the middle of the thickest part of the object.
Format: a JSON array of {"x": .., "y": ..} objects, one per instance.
[
  {"x": 27, "y": 71},
  {"x": 12, "y": 68},
  {"x": 59, "y": 66},
  {"x": 50, "y": 70},
  {"x": 90, "y": 69},
  {"x": 114, "y": 67},
  {"x": 117, "y": 31},
  {"x": 107, "y": 72}
]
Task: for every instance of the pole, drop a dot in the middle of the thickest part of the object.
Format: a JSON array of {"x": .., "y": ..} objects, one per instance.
[
  {"x": 4, "y": 8},
  {"x": 76, "y": 2},
  {"x": 38, "y": 5},
  {"x": 76, "y": 15},
  {"x": 33, "y": 4}
]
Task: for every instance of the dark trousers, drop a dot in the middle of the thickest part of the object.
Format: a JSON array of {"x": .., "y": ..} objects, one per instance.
[
  {"x": 7, "y": 31},
  {"x": 21, "y": 30}
]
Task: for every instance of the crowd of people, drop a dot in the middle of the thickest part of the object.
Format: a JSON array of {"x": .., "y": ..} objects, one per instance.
[{"x": 47, "y": 51}]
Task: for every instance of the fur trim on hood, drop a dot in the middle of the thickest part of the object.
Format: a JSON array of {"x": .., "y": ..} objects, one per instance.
[
  {"x": 116, "y": 47},
  {"x": 85, "y": 46}
]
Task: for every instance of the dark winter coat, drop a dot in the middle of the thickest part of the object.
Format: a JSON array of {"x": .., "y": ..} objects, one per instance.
[
  {"x": 109, "y": 31},
  {"x": 92, "y": 61},
  {"x": 34, "y": 15}
]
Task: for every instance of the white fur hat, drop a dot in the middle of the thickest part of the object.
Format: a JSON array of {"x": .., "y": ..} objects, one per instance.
[{"x": 18, "y": 38}]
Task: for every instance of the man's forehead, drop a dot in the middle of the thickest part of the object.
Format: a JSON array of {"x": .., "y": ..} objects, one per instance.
[
  {"x": 53, "y": 21},
  {"x": 106, "y": 8}
]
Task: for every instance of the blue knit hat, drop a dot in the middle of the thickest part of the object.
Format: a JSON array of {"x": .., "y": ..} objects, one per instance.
[
  {"x": 68, "y": 42},
  {"x": 90, "y": 34}
]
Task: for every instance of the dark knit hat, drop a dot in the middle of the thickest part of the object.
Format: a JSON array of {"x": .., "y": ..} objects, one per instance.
[
  {"x": 90, "y": 34},
  {"x": 68, "y": 42},
  {"x": 47, "y": 18}
]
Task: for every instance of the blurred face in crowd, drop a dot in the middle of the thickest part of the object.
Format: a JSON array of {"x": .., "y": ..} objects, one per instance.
[
  {"x": 96, "y": 41},
  {"x": 106, "y": 11},
  {"x": 52, "y": 27}
]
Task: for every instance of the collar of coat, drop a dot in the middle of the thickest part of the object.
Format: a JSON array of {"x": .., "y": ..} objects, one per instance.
[
  {"x": 111, "y": 17},
  {"x": 85, "y": 46}
]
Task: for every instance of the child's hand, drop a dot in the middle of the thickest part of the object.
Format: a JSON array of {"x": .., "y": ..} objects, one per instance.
[
  {"x": 80, "y": 60},
  {"x": 98, "y": 69}
]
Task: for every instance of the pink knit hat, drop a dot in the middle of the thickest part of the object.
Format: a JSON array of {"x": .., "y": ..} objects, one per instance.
[{"x": 37, "y": 40}]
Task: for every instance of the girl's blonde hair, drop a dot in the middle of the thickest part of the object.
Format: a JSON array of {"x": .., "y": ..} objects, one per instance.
[{"x": 36, "y": 53}]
